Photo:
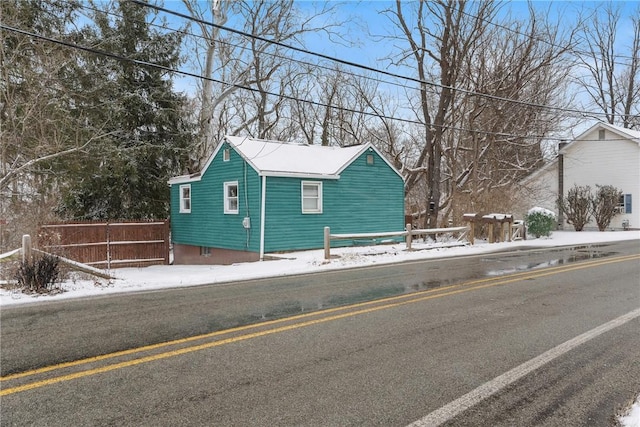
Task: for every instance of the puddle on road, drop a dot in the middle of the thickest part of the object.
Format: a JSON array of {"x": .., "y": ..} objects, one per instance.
[
  {"x": 583, "y": 253},
  {"x": 433, "y": 278}
]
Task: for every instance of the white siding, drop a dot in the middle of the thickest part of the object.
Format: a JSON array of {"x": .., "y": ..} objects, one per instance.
[
  {"x": 540, "y": 189},
  {"x": 612, "y": 161}
]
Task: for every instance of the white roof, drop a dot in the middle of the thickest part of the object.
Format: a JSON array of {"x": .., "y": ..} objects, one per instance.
[
  {"x": 274, "y": 158},
  {"x": 631, "y": 134}
]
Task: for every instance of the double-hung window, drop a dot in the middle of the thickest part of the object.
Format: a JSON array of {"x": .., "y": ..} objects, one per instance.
[
  {"x": 231, "y": 197},
  {"x": 311, "y": 197},
  {"x": 185, "y": 198},
  {"x": 624, "y": 205}
]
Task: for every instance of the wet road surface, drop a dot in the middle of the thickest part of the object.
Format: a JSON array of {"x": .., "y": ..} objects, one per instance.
[{"x": 43, "y": 334}]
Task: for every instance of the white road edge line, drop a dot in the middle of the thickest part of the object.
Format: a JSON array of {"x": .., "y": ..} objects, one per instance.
[{"x": 454, "y": 408}]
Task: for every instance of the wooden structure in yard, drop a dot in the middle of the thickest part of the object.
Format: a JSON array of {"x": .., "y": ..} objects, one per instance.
[
  {"x": 108, "y": 244},
  {"x": 499, "y": 226}
]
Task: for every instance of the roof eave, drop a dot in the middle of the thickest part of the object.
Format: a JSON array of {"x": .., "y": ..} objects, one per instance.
[
  {"x": 297, "y": 175},
  {"x": 183, "y": 179}
]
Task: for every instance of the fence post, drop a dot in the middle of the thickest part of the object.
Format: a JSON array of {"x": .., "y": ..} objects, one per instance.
[
  {"x": 327, "y": 243},
  {"x": 26, "y": 248},
  {"x": 491, "y": 236},
  {"x": 409, "y": 236}
]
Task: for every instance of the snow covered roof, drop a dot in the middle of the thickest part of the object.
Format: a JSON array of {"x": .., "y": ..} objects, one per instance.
[
  {"x": 274, "y": 158},
  {"x": 632, "y": 135}
]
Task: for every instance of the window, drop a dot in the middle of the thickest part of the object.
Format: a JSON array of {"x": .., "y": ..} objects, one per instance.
[
  {"x": 226, "y": 155},
  {"x": 369, "y": 159},
  {"x": 601, "y": 134},
  {"x": 231, "y": 197},
  {"x": 311, "y": 197},
  {"x": 185, "y": 198},
  {"x": 624, "y": 204},
  {"x": 205, "y": 251}
]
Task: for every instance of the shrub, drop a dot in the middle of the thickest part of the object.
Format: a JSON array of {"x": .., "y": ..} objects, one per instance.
[
  {"x": 540, "y": 221},
  {"x": 39, "y": 274},
  {"x": 604, "y": 204},
  {"x": 577, "y": 206}
]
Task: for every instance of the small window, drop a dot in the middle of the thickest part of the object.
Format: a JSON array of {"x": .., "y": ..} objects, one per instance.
[
  {"x": 369, "y": 159},
  {"x": 226, "y": 155},
  {"x": 185, "y": 198},
  {"x": 601, "y": 134},
  {"x": 231, "y": 197},
  {"x": 311, "y": 197},
  {"x": 205, "y": 251}
]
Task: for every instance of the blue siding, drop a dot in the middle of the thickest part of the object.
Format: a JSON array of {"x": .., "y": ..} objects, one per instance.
[
  {"x": 366, "y": 199},
  {"x": 207, "y": 225}
]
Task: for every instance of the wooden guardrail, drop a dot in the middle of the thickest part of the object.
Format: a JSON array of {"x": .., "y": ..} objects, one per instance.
[
  {"x": 408, "y": 233},
  {"x": 25, "y": 253}
]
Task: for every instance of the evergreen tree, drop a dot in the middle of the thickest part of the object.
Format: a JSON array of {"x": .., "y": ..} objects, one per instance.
[{"x": 125, "y": 175}]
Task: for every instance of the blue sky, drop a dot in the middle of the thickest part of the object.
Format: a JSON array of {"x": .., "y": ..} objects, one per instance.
[{"x": 364, "y": 24}]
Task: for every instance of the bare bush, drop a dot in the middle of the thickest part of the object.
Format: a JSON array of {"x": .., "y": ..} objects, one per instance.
[
  {"x": 577, "y": 206},
  {"x": 39, "y": 275}
]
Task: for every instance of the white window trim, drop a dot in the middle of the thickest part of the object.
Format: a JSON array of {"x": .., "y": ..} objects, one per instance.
[
  {"x": 226, "y": 154},
  {"x": 316, "y": 184},
  {"x": 183, "y": 208},
  {"x": 227, "y": 210}
]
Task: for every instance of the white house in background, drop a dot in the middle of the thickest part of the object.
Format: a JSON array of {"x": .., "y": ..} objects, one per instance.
[{"x": 603, "y": 155}]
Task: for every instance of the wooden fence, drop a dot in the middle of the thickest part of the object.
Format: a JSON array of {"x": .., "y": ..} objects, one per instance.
[{"x": 109, "y": 244}]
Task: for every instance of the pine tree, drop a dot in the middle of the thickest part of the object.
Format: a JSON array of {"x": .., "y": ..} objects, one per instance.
[{"x": 125, "y": 176}]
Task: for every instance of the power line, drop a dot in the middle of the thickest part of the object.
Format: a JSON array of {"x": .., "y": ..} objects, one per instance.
[
  {"x": 194, "y": 75},
  {"x": 244, "y": 48},
  {"x": 364, "y": 67},
  {"x": 539, "y": 39},
  {"x": 580, "y": 113}
]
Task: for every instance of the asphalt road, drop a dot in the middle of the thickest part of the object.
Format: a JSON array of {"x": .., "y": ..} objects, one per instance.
[{"x": 321, "y": 354}]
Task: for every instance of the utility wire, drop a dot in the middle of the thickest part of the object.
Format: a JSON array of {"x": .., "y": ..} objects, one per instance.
[
  {"x": 539, "y": 39},
  {"x": 194, "y": 75},
  {"x": 364, "y": 67},
  {"x": 580, "y": 113},
  {"x": 244, "y": 48}
]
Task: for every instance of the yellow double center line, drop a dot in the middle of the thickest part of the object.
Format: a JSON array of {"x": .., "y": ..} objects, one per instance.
[{"x": 297, "y": 322}]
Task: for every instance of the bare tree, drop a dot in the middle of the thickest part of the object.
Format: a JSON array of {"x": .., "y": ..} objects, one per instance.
[
  {"x": 218, "y": 10},
  {"x": 484, "y": 80},
  {"x": 499, "y": 141},
  {"x": 611, "y": 76},
  {"x": 577, "y": 206},
  {"x": 259, "y": 74},
  {"x": 439, "y": 36}
]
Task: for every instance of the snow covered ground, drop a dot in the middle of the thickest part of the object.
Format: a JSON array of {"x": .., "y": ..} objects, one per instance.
[{"x": 171, "y": 276}]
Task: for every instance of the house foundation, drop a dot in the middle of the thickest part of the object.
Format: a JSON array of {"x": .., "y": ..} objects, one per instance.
[{"x": 198, "y": 255}]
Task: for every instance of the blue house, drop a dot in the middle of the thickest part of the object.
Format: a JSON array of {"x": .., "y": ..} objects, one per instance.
[{"x": 255, "y": 197}]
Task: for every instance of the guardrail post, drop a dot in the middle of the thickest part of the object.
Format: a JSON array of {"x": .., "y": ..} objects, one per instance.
[
  {"x": 409, "y": 236},
  {"x": 327, "y": 243},
  {"x": 26, "y": 248}
]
